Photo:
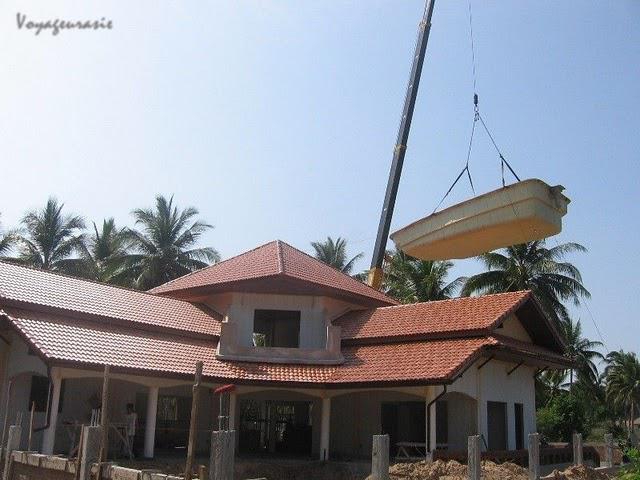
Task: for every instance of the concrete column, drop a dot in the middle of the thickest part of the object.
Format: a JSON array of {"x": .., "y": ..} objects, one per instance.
[
  {"x": 432, "y": 428},
  {"x": 608, "y": 459},
  {"x": 233, "y": 400},
  {"x": 90, "y": 450},
  {"x": 473, "y": 459},
  {"x": 534, "y": 456},
  {"x": 13, "y": 443},
  {"x": 380, "y": 457},
  {"x": 150, "y": 424},
  {"x": 222, "y": 456},
  {"x": 48, "y": 441},
  {"x": 325, "y": 425},
  {"x": 577, "y": 449}
]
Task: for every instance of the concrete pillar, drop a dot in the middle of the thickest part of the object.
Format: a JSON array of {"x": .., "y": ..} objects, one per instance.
[
  {"x": 222, "y": 455},
  {"x": 473, "y": 458},
  {"x": 13, "y": 443},
  {"x": 432, "y": 428},
  {"x": 48, "y": 441},
  {"x": 150, "y": 424},
  {"x": 608, "y": 455},
  {"x": 577, "y": 449},
  {"x": 380, "y": 457},
  {"x": 90, "y": 450},
  {"x": 325, "y": 425},
  {"x": 233, "y": 400},
  {"x": 534, "y": 456}
]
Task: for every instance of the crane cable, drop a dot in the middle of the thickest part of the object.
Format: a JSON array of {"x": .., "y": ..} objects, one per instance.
[{"x": 477, "y": 117}]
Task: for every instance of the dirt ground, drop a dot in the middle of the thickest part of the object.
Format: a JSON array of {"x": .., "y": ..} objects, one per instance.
[
  {"x": 438, "y": 470},
  {"x": 452, "y": 470}
]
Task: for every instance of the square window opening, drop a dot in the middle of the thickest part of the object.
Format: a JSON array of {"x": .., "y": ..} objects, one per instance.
[{"x": 276, "y": 328}]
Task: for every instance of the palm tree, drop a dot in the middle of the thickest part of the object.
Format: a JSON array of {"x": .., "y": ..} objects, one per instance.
[
  {"x": 106, "y": 253},
  {"x": 412, "y": 280},
  {"x": 49, "y": 239},
  {"x": 623, "y": 382},
  {"x": 334, "y": 253},
  {"x": 532, "y": 266},
  {"x": 164, "y": 247},
  {"x": 7, "y": 240},
  {"x": 582, "y": 351}
]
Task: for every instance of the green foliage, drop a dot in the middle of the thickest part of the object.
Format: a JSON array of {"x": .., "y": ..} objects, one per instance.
[
  {"x": 632, "y": 471},
  {"x": 561, "y": 417},
  {"x": 163, "y": 249},
  {"x": 623, "y": 383},
  {"x": 50, "y": 239},
  {"x": 7, "y": 240},
  {"x": 532, "y": 266},
  {"x": 334, "y": 253},
  {"x": 412, "y": 280}
]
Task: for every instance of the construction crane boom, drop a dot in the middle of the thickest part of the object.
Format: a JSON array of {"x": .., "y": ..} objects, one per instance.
[{"x": 375, "y": 273}]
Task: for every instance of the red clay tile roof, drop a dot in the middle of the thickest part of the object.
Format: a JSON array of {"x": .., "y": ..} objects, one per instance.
[
  {"x": 23, "y": 285},
  {"x": 431, "y": 318},
  {"x": 530, "y": 349},
  {"x": 276, "y": 261},
  {"x": 61, "y": 340}
]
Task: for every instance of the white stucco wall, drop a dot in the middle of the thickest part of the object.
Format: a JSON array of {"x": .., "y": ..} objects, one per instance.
[
  {"x": 513, "y": 328},
  {"x": 492, "y": 384},
  {"x": 315, "y": 314}
]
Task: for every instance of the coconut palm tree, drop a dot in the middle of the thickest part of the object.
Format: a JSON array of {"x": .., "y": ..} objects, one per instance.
[
  {"x": 7, "y": 240},
  {"x": 412, "y": 280},
  {"x": 106, "y": 253},
  {"x": 163, "y": 249},
  {"x": 582, "y": 351},
  {"x": 334, "y": 253},
  {"x": 49, "y": 239},
  {"x": 623, "y": 383},
  {"x": 532, "y": 266}
]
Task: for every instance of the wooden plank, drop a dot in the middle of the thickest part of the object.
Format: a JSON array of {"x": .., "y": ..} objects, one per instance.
[
  {"x": 534, "y": 456},
  {"x": 104, "y": 422},
  {"x": 193, "y": 424},
  {"x": 33, "y": 409}
]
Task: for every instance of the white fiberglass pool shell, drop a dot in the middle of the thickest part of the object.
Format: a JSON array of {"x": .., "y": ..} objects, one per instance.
[{"x": 525, "y": 211}]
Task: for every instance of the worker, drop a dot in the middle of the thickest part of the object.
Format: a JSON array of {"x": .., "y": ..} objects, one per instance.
[{"x": 131, "y": 421}]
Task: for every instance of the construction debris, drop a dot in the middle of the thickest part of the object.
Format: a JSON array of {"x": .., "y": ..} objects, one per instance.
[{"x": 577, "y": 472}]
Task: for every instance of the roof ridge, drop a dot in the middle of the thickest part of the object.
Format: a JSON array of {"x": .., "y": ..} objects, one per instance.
[
  {"x": 212, "y": 265},
  {"x": 450, "y": 300},
  {"x": 339, "y": 271},
  {"x": 88, "y": 280}
]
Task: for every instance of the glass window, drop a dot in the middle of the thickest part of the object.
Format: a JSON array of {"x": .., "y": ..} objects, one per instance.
[{"x": 276, "y": 328}]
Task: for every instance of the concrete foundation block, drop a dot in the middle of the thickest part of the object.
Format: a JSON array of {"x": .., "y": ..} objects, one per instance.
[
  {"x": 122, "y": 473},
  {"x": 13, "y": 443},
  {"x": 156, "y": 476}
]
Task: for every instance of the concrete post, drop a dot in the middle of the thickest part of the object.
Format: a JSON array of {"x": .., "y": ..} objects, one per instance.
[
  {"x": 233, "y": 397},
  {"x": 380, "y": 457},
  {"x": 608, "y": 459},
  {"x": 433, "y": 427},
  {"x": 13, "y": 443},
  {"x": 577, "y": 449},
  {"x": 222, "y": 456},
  {"x": 49, "y": 439},
  {"x": 473, "y": 458},
  {"x": 534, "y": 456},
  {"x": 90, "y": 450},
  {"x": 150, "y": 424},
  {"x": 325, "y": 426}
]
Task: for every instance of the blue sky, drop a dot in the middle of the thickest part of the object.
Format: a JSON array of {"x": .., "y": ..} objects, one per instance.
[{"x": 277, "y": 119}]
